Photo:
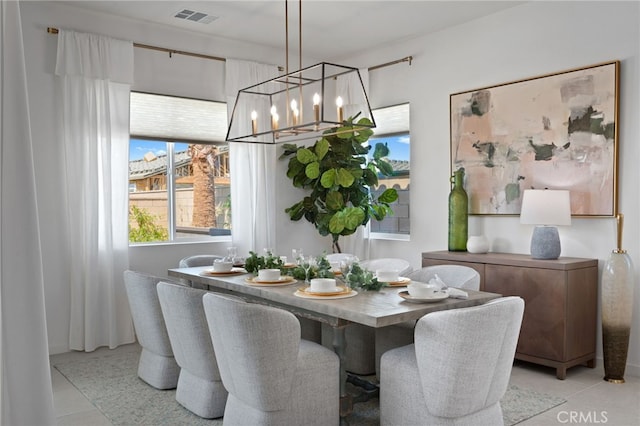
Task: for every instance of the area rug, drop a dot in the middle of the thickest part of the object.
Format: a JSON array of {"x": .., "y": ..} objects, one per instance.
[{"x": 109, "y": 381}]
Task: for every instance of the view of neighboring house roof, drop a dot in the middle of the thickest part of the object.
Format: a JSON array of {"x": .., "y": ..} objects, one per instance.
[
  {"x": 140, "y": 169},
  {"x": 400, "y": 167}
]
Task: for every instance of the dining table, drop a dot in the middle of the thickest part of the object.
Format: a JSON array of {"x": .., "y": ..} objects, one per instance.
[{"x": 371, "y": 308}]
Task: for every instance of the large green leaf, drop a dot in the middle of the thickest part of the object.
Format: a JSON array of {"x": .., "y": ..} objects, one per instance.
[
  {"x": 345, "y": 132},
  {"x": 328, "y": 178},
  {"x": 289, "y": 148},
  {"x": 346, "y": 220},
  {"x": 344, "y": 178},
  {"x": 295, "y": 211},
  {"x": 335, "y": 201},
  {"x": 388, "y": 196},
  {"x": 295, "y": 167},
  {"x": 364, "y": 121},
  {"x": 370, "y": 178},
  {"x": 306, "y": 156},
  {"x": 385, "y": 168},
  {"x": 353, "y": 217},
  {"x": 381, "y": 150},
  {"x": 322, "y": 147},
  {"x": 312, "y": 170},
  {"x": 336, "y": 224}
]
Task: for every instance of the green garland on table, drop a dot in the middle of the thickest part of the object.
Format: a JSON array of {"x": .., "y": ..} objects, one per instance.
[
  {"x": 363, "y": 279},
  {"x": 254, "y": 263}
]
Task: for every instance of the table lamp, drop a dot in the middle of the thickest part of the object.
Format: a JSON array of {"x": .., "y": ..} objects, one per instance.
[{"x": 545, "y": 208}]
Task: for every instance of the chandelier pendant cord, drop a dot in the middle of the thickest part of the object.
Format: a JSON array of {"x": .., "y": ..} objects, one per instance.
[{"x": 286, "y": 34}]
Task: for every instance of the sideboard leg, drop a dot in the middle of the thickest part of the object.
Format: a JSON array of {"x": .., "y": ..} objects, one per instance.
[{"x": 561, "y": 373}]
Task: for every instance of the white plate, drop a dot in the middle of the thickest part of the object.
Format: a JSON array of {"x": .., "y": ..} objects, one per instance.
[
  {"x": 304, "y": 295},
  {"x": 233, "y": 271},
  {"x": 283, "y": 280},
  {"x": 401, "y": 282},
  {"x": 435, "y": 298},
  {"x": 338, "y": 290}
]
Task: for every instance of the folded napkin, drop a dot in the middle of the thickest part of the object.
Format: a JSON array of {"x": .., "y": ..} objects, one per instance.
[{"x": 454, "y": 293}]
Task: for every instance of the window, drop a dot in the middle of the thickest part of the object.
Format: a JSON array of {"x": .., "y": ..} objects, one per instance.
[
  {"x": 393, "y": 129},
  {"x": 179, "y": 183}
]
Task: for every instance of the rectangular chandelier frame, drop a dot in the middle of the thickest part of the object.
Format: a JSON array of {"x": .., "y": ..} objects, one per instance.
[{"x": 299, "y": 105}]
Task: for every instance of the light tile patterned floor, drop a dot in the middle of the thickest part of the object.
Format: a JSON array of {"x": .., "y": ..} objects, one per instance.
[{"x": 590, "y": 400}]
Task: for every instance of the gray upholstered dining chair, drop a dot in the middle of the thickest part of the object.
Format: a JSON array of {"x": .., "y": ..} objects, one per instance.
[
  {"x": 197, "y": 260},
  {"x": 273, "y": 377},
  {"x": 393, "y": 336},
  {"x": 458, "y": 369},
  {"x": 200, "y": 388},
  {"x": 361, "y": 340},
  {"x": 157, "y": 365}
]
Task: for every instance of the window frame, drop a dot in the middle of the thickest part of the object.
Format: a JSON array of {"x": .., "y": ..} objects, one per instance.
[
  {"x": 171, "y": 176},
  {"x": 375, "y": 235}
]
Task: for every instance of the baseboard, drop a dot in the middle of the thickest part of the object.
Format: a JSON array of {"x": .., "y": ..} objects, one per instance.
[{"x": 55, "y": 350}]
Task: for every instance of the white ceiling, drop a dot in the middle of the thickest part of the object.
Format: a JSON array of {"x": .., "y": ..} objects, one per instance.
[{"x": 330, "y": 29}]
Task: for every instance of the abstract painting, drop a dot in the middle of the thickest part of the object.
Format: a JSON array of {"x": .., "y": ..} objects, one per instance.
[{"x": 557, "y": 131}]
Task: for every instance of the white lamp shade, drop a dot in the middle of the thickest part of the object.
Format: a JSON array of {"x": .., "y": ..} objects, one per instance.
[{"x": 546, "y": 207}]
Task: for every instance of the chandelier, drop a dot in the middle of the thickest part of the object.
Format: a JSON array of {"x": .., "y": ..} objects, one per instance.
[{"x": 320, "y": 99}]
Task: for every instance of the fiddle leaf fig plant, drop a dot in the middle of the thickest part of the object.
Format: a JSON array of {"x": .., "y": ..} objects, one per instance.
[{"x": 339, "y": 176}]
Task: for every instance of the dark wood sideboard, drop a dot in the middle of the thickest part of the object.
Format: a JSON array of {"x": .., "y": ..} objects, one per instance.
[{"x": 561, "y": 299}]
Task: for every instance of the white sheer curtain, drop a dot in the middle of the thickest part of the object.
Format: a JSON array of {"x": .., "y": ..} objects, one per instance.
[
  {"x": 253, "y": 196},
  {"x": 349, "y": 87},
  {"x": 95, "y": 76},
  {"x": 26, "y": 397}
]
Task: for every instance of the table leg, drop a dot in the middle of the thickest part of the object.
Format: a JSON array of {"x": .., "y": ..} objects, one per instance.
[{"x": 340, "y": 347}]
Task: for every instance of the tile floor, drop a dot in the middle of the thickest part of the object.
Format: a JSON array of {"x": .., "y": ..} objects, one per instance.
[{"x": 590, "y": 400}]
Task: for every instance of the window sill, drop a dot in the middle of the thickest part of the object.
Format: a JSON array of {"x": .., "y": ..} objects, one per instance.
[{"x": 389, "y": 236}]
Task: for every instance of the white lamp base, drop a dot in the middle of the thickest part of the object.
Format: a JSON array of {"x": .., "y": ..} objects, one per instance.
[{"x": 545, "y": 242}]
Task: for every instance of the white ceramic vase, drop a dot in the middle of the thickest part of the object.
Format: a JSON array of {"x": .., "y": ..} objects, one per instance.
[{"x": 477, "y": 244}]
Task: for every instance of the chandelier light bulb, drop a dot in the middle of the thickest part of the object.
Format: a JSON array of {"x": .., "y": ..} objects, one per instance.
[
  {"x": 274, "y": 118},
  {"x": 316, "y": 108},
  {"x": 339, "y": 105},
  {"x": 254, "y": 122}
]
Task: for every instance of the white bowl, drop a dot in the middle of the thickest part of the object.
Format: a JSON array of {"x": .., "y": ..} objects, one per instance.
[
  {"x": 322, "y": 285},
  {"x": 220, "y": 265},
  {"x": 269, "y": 274},
  {"x": 387, "y": 275},
  {"x": 422, "y": 290}
]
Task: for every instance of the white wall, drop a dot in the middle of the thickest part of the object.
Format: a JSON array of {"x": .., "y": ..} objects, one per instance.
[
  {"x": 528, "y": 40},
  {"x": 525, "y": 41}
]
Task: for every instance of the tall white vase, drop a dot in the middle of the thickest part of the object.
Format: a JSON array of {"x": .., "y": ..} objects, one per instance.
[{"x": 617, "y": 310}]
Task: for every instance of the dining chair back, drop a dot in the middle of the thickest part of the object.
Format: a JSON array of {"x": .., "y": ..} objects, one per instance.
[
  {"x": 157, "y": 365},
  {"x": 401, "y": 265},
  {"x": 457, "y": 370},
  {"x": 197, "y": 260},
  {"x": 200, "y": 388},
  {"x": 394, "y": 336},
  {"x": 273, "y": 377}
]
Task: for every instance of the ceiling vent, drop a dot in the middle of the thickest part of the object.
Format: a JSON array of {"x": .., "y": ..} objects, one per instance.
[{"x": 191, "y": 15}]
